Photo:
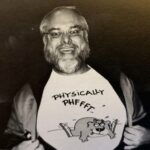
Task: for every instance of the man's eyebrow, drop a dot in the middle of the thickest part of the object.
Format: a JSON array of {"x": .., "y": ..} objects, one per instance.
[
  {"x": 77, "y": 26},
  {"x": 52, "y": 29}
]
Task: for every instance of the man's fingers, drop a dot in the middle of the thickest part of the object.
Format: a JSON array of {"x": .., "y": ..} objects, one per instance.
[
  {"x": 26, "y": 143},
  {"x": 40, "y": 147},
  {"x": 34, "y": 145},
  {"x": 129, "y": 147},
  {"x": 131, "y": 130},
  {"x": 137, "y": 126},
  {"x": 131, "y": 142},
  {"x": 129, "y": 136},
  {"x": 136, "y": 136},
  {"x": 128, "y": 142}
]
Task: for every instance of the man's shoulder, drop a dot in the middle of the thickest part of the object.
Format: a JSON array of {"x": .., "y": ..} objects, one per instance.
[
  {"x": 24, "y": 91},
  {"x": 24, "y": 96},
  {"x": 112, "y": 74}
]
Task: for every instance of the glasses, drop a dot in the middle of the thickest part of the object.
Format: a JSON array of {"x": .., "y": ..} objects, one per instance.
[{"x": 57, "y": 33}]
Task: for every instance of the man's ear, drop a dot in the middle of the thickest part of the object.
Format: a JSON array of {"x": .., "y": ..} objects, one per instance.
[
  {"x": 45, "y": 40},
  {"x": 86, "y": 36}
]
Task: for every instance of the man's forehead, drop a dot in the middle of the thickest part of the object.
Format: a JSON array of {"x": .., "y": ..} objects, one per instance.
[
  {"x": 64, "y": 28},
  {"x": 63, "y": 19}
]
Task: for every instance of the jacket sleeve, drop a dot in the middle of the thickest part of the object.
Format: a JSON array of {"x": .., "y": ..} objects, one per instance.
[
  {"x": 134, "y": 107},
  {"x": 22, "y": 118}
]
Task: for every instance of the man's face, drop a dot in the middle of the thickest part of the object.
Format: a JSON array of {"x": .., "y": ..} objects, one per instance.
[{"x": 66, "y": 44}]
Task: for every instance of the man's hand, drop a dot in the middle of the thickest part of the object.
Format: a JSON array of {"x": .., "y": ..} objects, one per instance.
[
  {"x": 136, "y": 136},
  {"x": 29, "y": 145}
]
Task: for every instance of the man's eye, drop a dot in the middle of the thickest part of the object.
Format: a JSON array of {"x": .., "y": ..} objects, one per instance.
[
  {"x": 54, "y": 34},
  {"x": 74, "y": 32}
]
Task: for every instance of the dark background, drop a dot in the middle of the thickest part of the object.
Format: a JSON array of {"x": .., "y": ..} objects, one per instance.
[{"x": 119, "y": 36}]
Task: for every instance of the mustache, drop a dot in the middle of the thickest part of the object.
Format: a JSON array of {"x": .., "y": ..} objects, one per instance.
[{"x": 63, "y": 46}]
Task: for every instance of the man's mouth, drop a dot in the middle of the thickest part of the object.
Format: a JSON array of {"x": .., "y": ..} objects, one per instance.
[{"x": 67, "y": 50}]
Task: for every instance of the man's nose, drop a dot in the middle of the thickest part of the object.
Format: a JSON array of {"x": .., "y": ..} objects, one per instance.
[{"x": 66, "y": 39}]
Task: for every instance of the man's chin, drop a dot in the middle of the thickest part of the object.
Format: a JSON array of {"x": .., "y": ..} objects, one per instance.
[
  {"x": 68, "y": 56},
  {"x": 68, "y": 66}
]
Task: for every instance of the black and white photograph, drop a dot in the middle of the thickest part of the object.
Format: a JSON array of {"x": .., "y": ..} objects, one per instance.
[{"x": 74, "y": 75}]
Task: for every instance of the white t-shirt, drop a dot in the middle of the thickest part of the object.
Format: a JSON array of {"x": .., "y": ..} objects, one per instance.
[{"x": 80, "y": 112}]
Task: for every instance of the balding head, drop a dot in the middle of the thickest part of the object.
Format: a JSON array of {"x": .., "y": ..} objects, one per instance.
[{"x": 61, "y": 15}]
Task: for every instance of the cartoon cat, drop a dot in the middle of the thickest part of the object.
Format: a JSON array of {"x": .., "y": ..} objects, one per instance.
[{"x": 87, "y": 126}]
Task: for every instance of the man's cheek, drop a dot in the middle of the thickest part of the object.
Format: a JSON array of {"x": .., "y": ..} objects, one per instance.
[
  {"x": 51, "y": 48},
  {"x": 83, "y": 46}
]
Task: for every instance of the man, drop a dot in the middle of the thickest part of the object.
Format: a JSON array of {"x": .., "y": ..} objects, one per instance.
[{"x": 79, "y": 108}]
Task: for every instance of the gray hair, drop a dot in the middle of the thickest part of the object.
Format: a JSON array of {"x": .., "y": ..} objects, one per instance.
[{"x": 43, "y": 24}]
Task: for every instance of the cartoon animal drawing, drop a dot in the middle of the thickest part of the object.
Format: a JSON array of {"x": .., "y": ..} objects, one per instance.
[{"x": 87, "y": 126}]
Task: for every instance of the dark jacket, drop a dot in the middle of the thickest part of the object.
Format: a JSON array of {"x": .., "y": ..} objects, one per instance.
[{"x": 26, "y": 102}]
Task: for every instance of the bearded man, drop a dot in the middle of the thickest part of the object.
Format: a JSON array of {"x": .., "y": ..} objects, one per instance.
[{"x": 79, "y": 108}]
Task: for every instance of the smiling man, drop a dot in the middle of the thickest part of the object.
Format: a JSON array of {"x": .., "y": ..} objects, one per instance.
[
  {"x": 66, "y": 41},
  {"x": 70, "y": 116}
]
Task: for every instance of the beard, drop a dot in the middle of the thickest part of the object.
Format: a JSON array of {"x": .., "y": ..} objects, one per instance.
[{"x": 68, "y": 63}]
